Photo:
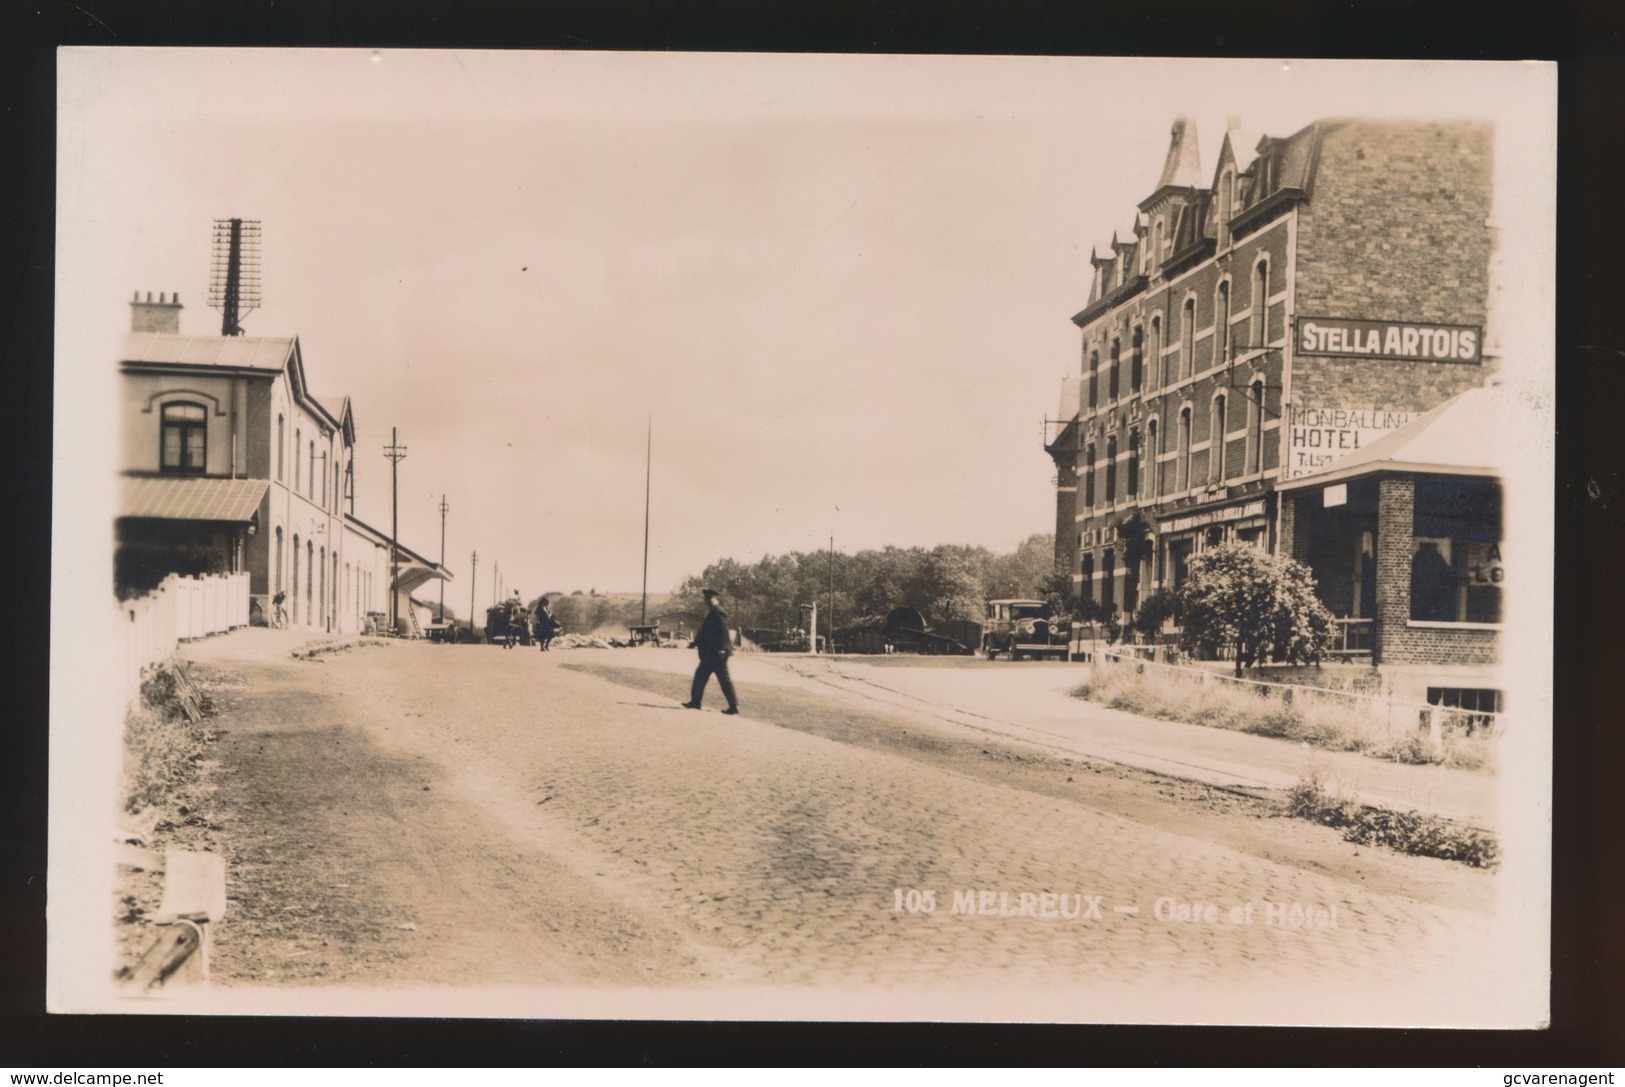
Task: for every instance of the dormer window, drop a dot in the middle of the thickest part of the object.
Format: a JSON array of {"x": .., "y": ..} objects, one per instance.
[{"x": 1227, "y": 199}]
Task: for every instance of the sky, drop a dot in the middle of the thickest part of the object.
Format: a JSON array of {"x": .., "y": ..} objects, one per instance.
[{"x": 812, "y": 296}]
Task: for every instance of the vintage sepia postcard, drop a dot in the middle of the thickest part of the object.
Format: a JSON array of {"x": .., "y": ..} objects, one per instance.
[{"x": 802, "y": 537}]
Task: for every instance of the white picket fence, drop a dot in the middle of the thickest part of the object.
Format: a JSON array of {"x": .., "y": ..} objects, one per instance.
[{"x": 180, "y": 609}]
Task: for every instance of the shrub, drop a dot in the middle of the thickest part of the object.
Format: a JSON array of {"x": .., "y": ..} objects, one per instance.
[{"x": 1262, "y": 605}]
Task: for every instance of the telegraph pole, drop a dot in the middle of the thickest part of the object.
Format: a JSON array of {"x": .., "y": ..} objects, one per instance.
[
  {"x": 832, "y": 590},
  {"x": 648, "y": 461},
  {"x": 443, "y": 509},
  {"x": 473, "y": 568},
  {"x": 396, "y": 453}
]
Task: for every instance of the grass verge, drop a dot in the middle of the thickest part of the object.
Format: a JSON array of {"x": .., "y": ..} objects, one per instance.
[{"x": 1331, "y": 722}]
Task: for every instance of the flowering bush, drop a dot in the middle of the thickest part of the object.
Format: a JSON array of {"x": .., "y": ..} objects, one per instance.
[{"x": 1262, "y": 605}]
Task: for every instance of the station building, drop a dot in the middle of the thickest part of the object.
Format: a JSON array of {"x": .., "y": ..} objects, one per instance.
[
  {"x": 231, "y": 464},
  {"x": 1311, "y": 296}
]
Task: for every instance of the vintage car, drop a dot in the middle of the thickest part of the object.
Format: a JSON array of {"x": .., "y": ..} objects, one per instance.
[{"x": 1022, "y": 628}]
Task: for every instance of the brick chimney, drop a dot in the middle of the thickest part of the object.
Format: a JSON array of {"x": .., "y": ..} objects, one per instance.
[{"x": 163, "y": 315}]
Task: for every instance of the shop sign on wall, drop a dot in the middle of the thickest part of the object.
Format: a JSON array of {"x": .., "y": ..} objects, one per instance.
[
  {"x": 1422, "y": 341},
  {"x": 1254, "y": 508},
  {"x": 1482, "y": 562},
  {"x": 1318, "y": 436}
]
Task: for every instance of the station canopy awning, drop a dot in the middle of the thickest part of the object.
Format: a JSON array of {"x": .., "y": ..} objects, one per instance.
[
  {"x": 412, "y": 575},
  {"x": 193, "y": 499}
]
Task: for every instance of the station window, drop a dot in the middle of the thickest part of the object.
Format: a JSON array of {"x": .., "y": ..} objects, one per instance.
[{"x": 184, "y": 441}]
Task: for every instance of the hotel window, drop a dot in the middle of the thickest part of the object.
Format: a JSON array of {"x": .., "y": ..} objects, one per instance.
[
  {"x": 1153, "y": 476},
  {"x": 298, "y": 439},
  {"x": 278, "y": 567},
  {"x": 1111, "y": 381},
  {"x": 1132, "y": 486},
  {"x": 1187, "y": 338},
  {"x": 184, "y": 440},
  {"x": 281, "y": 447},
  {"x": 1255, "y": 428},
  {"x": 1136, "y": 364},
  {"x": 1215, "y": 453},
  {"x": 1094, "y": 378},
  {"x": 1221, "y": 325},
  {"x": 310, "y": 479},
  {"x": 1259, "y": 335},
  {"x": 1111, "y": 470},
  {"x": 1088, "y": 569},
  {"x": 1156, "y": 375},
  {"x": 1182, "y": 478},
  {"x": 1457, "y": 574},
  {"x": 1089, "y": 477}
]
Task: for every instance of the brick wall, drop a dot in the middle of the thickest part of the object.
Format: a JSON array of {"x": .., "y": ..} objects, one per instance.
[
  {"x": 1394, "y": 229},
  {"x": 1396, "y": 497}
]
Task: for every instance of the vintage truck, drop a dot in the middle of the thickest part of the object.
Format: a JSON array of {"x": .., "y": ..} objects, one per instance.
[{"x": 1022, "y": 628}]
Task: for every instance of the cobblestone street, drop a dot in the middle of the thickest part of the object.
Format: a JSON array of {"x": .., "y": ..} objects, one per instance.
[{"x": 559, "y": 820}]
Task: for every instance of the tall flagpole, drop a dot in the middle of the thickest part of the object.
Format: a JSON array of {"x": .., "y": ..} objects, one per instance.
[{"x": 648, "y": 462}]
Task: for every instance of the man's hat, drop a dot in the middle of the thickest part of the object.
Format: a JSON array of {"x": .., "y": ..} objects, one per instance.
[{"x": 709, "y": 593}]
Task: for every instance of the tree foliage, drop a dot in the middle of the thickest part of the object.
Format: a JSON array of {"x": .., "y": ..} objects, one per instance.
[
  {"x": 1264, "y": 606},
  {"x": 945, "y": 582}
]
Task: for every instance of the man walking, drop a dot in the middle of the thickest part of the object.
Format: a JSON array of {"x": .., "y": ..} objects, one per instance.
[{"x": 714, "y": 646}]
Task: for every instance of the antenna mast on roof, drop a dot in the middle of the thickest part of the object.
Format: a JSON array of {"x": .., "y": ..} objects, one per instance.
[{"x": 234, "y": 272}]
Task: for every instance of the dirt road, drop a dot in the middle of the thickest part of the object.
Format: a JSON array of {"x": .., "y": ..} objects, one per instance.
[{"x": 421, "y": 815}]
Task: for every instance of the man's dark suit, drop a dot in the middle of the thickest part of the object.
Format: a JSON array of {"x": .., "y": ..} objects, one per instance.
[{"x": 714, "y": 647}]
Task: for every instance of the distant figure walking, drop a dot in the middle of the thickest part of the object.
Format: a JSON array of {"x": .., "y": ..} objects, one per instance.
[
  {"x": 714, "y": 647},
  {"x": 279, "y": 614}
]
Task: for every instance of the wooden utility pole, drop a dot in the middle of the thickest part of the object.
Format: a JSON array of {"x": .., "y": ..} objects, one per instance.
[
  {"x": 648, "y": 461},
  {"x": 443, "y": 509},
  {"x": 396, "y": 453},
  {"x": 473, "y": 568}
]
